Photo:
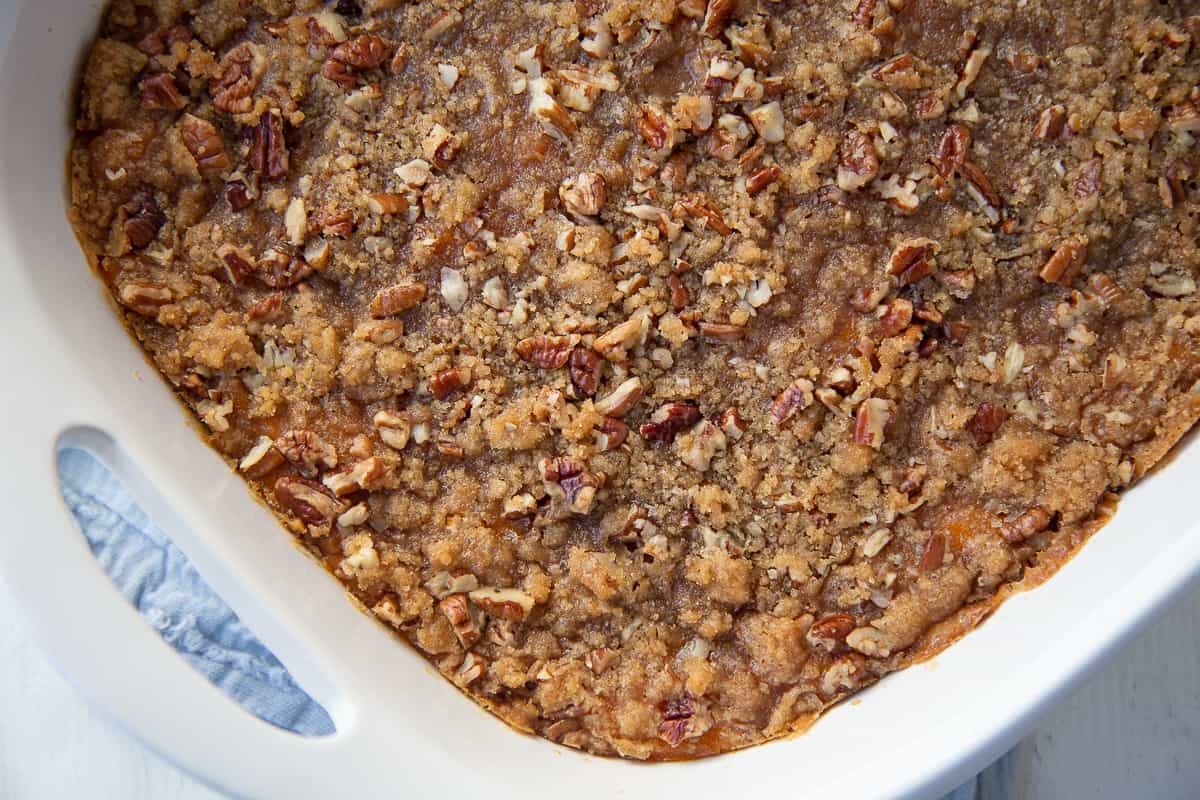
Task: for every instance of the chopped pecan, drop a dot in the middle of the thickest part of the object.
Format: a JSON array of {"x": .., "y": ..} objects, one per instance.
[
  {"x": 617, "y": 341},
  {"x": 143, "y": 220},
  {"x": 261, "y": 459},
  {"x": 675, "y": 172},
  {"x": 622, "y": 399},
  {"x": 585, "y": 371},
  {"x": 308, "y": 452},
  {"x": 360, "y": 53},
  {"x": 762, "y": 178},
  {"x": 796, "y": 397},
  {"x": 699, "y": 445},
  {"x": 897, "y": 316},
  {"x": 266, "y": 309},
  {"x": 547, "y": 352},
  {"x": 952, "y": 149},
  {"x": 871, "y": 421},
  {"x": 987, "y": 420},
  {"x": 237, "y": 194},
  {"x": 239, "y": 264},
  {"x": 655, "y": 127},
  {"x": 611, "y": 434},
  {"x": 511, "y": 604},
  {"x": 668, "y": 421},
  {"x": 702, "y": 209},
  {"x": 1033, "y": 521},
  {"x": 679, "y": 293},
  {"x": 1051, "y": 124},
  {"x": 387, "y": 204},
  {"x": 864, "y": 11},
  {"x": 449, "y": 381},
  {"x": 457, "y": 611},
  {"x": 830, "y": 632},
  {"x": 1087, "y": 179},
  {"x": 859, "y": 163},
  {"x": 583, "y": 195},
  {"x": 716, "y": 15},
  {"x": 1064, "y": 265},
  {"x": 1108, "y": 290},
  {"x": 721, "y": 330},
  {"x": 281, "y": 270},
  {"x": 731, "y": 423},
  {"x": 269, "y": 153},
  {"x": 912, "y": 260},
  {"x": 394, "y": 429},
  {"x": 204, "y": 142},
  {"x": 363, "y": 475},
  {"x": 569, "y": 482},
  {"x": 237, "y": 77},
  {"x": 397, "y": 299},
  {"x": 306, "y": 500},
  {"x": 934, "y": 553},
  {"x": 158, "y": 92},
  {"x": 980, "y": 186},
  {"x": 145, "y": 297}
]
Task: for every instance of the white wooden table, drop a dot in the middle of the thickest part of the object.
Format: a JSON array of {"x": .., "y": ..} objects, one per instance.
[{"x": 1132, "y": 731}]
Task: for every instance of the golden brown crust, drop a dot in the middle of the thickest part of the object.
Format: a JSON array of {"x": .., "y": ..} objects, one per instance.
[{"x": 665, "y": 372}]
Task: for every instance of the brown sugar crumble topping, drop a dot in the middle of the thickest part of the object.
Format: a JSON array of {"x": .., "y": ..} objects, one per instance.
[{"x": 663, "y": 371}]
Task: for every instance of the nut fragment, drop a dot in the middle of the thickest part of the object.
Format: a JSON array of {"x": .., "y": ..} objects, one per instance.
[
  {"x": 143, "y": 220},
  {"x": 987, "y": 420},
  {"x": 732, "y": 424},
  {"x": 458, "y": 612},
  {"x": 701, "y": 444},
  {"x": 623, "y": 398},
  {"x": 158, "y": 92},
  {"x": 615, "y": 342},
  {"x": 511, "y": 604},
  {"x": 397, "y": 299},
  {"x": 269, "y": 153},
  {"x": 204, "y": 142},
  {"x": 1033, "y": 521},
  {"x": 393, "y": 429},
  {"x": 871, "y": 421},
  {"x": 360, "y": 53},
  {"x": 952, "y": 149},
  {"x": 934, "y": 553},
  {"x": 655, "y": 127},
  {"x": 306, "y": 500},
  {"x": 583, "y": 195},
  {"x": 796, "y": 397},
  {"x": 829, "y": 633},
  {"x": 1052, "y": 124},
  {"x": 261, "y": 459},
  {"x": 547, "y": 352},
  {"x": 308, "y": 452},
  {"x": 702, "y": 209},
  {"x": 762, "y": 178},
  {"x": 859, "y": 161},
  {"x": 716, "y": 15},
  {"x": 585, "y": 371},
  {"x": 449, "y": 381},
  {"x": 387, "y": 204},
  {"x": 237, "y": 77},
  {"x": 363, "y": 475},
  {"x": 145, "y": 297},
  {"x": 281, "y": 270},
  {"x": 611, "y": 434},
  {"x": 668, "y": 421},
  {"x": 570, "y": 483},
  {"x": 912, "y": 260},
  {"x": 1066, "y": 262}
]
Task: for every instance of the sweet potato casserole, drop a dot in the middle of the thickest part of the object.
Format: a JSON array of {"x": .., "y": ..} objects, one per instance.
[{"x": 666, "y": 371}]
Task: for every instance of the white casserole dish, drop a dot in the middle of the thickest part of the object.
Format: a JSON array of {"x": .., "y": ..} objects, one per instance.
[{"x": 75, "y": 377}]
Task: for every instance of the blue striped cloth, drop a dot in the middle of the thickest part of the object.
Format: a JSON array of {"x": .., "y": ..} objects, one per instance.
[{"x": 157, "y": 578}]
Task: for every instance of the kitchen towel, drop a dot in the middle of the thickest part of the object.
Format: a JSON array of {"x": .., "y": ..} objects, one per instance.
[{"x": 158, "y": 580}]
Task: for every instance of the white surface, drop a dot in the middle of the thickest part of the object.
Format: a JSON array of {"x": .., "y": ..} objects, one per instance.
[
  {"x": 1131, "y": 731},
  {"x": 960, "y": 712}
]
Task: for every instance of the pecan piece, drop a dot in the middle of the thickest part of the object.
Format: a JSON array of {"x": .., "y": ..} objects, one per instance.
[
  {"x": 952, "y": 149},
  {"x": 668, "y": 421},
  {"x": 547, "y": 352},
  {"x": 716, "y": 15},
  {"x": 239, "y": 264},
  {"x": 934, "y": 553},
  {"x": 261, "y": 459},
  {"x": 143, "y": 220},
  {"x": 655, "y": 127},
  {"x": 912, "y": 260},
  {"x": 204, "y": 142},
  {"x": 360, "y": 53},
  {"x": 281, "y": 270},
  {"x": 583, "y": 195},
  {"x": 449, "y": 381},
  {"x": 585, "y": 371},
  {"x": 569, "y": 482},
  {"x": 979, "y": 185},
  {"x": 397, "y": 299},
  {"x": 1032, "y": 522},
  {"x": 266, "y": 309},
  {"x": 458, "y": 613},
  {"x": 614, "y": 343},
  {"x": 144, "y": 297},
  {"x": 623, "y": 398},
  {"x": 987, "y": 420},
  {"x": 387, "y": 204},
  {"x": 237, "y": 77},
  {"x": 511, "y": 604},
  {"x": 702, "y": 209},
  {"x": 366, "y": 474},
  {"x": 897, "y": 316},
  {"x": 308, "y": 452},
  {"x": 612, "y": 434},
  {"x": 863, "y": 13},
  {"x": 269, "y": 153},
  {"x": 306, "y": 500},
  {"x": 158, "y": 92},
  {"x": 1064, "y": 265},
  {"x": 830, "y": 632},
  {"x": 762, "y": 178},
  {"x": 1087, "y": 179},
  {"x": 1052, "y": 124},
  {"x": 796, "y": 397},
  {"x": 237, "y": 194},
  {"x": 859, "y": 163},
  {"x": 871, "y": 421},
  {"x": 394, "y": 429},
  {"x": 700, "y": 445}
]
